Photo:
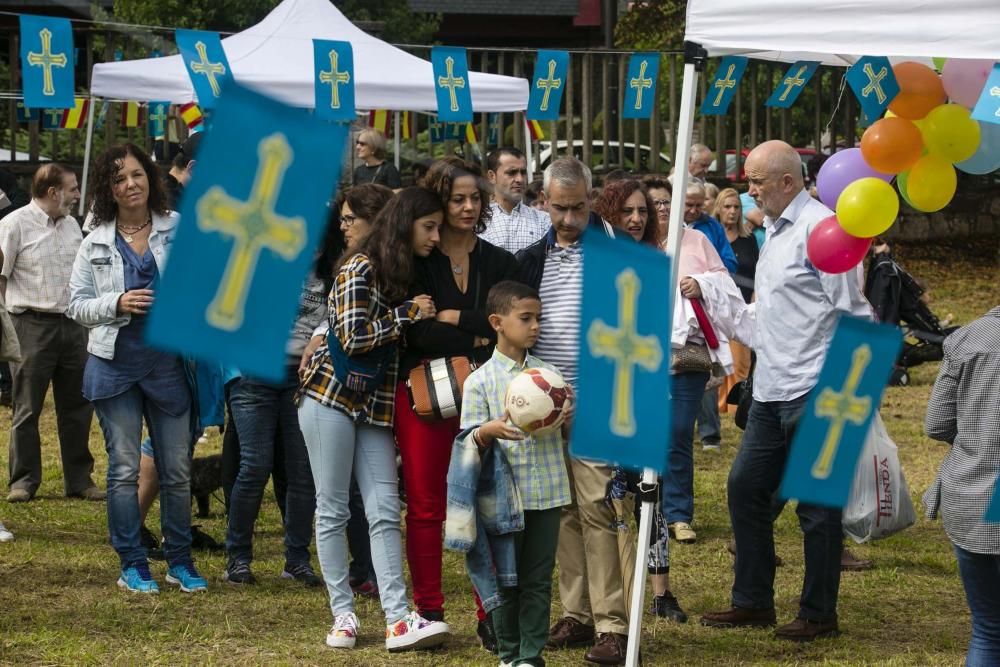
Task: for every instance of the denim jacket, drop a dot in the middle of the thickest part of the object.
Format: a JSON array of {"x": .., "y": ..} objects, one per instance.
[
  {"x": 98, "y": 280},
  {"x": 484, "y": 510}
]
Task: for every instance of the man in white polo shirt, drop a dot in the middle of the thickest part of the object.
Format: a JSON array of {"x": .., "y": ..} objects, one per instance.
[
  {"x": 39, "y": 243},
  {"x": 514, "y": 225}
]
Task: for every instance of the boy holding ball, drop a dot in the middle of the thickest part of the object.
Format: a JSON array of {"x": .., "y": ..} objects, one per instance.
[{"x": 538, "y": 462}]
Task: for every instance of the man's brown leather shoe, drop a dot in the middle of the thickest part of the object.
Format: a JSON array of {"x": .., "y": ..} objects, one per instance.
[
  {"x": 609, "y": 649},
  {"x": 738, "y": 617},
  {"x": 851, "y": 563},
  {"x": 801, "y": 630},
  {"x": 569, "y": 632}
]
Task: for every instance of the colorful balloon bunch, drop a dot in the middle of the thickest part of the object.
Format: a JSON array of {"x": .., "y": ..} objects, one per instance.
[{"x": 921, "y": 140}]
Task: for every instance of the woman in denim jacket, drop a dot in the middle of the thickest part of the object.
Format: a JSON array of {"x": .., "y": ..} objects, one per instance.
[{"x": 116, "y": 273}]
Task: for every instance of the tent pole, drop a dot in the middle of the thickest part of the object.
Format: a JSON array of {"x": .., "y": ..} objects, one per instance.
[
  {"x": 86, "y": 155},
  {"x": 694, "y": 62},
  {"x": 527, "y": 148},
  {"x": 395, "y": 139}
]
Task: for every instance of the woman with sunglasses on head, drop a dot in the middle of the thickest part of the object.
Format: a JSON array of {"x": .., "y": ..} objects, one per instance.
[
  {"x": 346, "y": 411},
  {"x": 369, "y": 148}
]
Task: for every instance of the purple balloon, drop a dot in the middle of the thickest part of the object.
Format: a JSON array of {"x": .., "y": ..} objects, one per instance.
[{"x": 840, "y": 170}]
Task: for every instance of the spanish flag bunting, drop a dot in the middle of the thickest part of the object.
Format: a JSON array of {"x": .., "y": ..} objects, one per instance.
[
  {"x": 131, "y": 114},
  {"x": 535, "y": 130},
  {"x": 471, "y": 136},
  {"x": 408, "y": 123},
  {"x": 191, "y": 114},
  {"x": 379, "y": 120},
  {"x": 75, "y": 117}
]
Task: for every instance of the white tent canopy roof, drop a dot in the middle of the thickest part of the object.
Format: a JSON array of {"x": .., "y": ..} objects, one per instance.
[
  {"x": 838, "y": 32},
  {"x": 275, "y": 57}
]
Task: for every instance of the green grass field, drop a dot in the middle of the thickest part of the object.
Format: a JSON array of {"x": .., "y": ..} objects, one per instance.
[{"x": 59, "y": 604}]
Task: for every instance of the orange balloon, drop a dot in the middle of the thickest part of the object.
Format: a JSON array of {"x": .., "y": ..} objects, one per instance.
[
  {"x": 920, "y": 90},
  {"x": 891, "y": 145}
]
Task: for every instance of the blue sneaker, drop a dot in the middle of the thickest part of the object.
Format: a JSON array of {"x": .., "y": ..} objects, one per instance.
[
  {"x": 185, "y": 576},
  {"x": 137, "y": 579}
]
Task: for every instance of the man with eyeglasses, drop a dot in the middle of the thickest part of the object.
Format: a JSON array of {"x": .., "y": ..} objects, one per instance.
[{"x": 696, "y": 218}]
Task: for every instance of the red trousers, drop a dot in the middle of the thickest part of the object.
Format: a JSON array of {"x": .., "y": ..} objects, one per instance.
[{"x": 425, "y": 449}]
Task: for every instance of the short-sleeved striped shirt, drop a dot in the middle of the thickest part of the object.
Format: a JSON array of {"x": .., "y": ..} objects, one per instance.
[
  {"x": 362, "y": 320},
  {"x": 538, "y": 462},
  {"x": 561, "y": 291}
]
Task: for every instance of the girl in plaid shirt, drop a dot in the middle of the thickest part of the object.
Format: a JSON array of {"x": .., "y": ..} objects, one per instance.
[{"x": 349, "y": 428}]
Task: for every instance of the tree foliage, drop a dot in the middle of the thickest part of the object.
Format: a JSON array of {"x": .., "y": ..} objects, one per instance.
[{"x": 652, "y": 25}]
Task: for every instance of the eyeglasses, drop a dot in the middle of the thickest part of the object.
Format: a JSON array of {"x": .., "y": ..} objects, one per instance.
[
  {"x": 362, "y": 143},
  {"x": 349, "y": 220},
  {"x": 661, "y": 203}
]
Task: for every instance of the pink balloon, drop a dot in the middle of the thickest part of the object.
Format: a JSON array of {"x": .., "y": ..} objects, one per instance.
[
  {"x": 964, "y": 79},
  {"x": 840, "y": 170},
  {"x": 832, "y": 250}
]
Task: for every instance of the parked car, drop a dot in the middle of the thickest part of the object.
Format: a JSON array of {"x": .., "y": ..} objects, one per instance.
[
  {"x": 615, "y": 159},
  {"x": 740, "y": 176}
]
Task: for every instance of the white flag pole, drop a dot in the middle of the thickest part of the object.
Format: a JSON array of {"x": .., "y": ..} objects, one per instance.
[
  {"x": 694, "y": 62},
  {"x": 527, "y": 148},
  {"x": 86, "y": 155},
  {"x": 396, "y": 141}
]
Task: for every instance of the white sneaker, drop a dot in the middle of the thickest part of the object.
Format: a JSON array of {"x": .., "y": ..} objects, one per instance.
[
  {"x": 413, "y": 632},
  {"x": 344, "y": 633},
  {"x": 5, "y": 535}
]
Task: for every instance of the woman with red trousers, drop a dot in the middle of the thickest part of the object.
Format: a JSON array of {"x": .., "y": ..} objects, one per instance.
[{"x": 458, "y": 275}]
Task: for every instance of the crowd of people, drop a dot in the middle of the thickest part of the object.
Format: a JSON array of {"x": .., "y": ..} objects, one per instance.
[{"x": 486, "y": 268}]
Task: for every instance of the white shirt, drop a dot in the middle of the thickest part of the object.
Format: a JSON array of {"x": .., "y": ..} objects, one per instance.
[
  {"x": 516, "y": 230},
  {"x": 797, "y": 305},
  {"x": 38, "y": 256}
]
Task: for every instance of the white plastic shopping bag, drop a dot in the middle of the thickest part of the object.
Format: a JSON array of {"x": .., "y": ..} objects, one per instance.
[{"x": 879, "y": 504}]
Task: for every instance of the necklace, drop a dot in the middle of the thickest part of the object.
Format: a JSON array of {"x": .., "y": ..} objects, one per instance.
[
  {"x": 127, "y": 232},
  {"x": 457, "y": 267}
]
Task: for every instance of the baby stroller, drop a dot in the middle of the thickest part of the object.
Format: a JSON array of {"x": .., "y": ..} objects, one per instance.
[{"x": 895, "y": 297}]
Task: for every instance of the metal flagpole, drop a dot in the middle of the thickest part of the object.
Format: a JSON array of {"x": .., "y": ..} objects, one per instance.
[
  {"x": 86, "y": 155},
  {"x": 527, "y": 148},
  {"x": 694, "y": 62},
  {"x": 396, "y": 141}
]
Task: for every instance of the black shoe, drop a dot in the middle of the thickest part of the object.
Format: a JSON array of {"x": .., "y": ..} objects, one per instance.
[
  {"x": 204, "y": 541},
  {"x": 152, "y": 545},
  {"x": 239, "y": 574},
  {"x": 437, "y": 616},
  {"x": 302, "y": 573},
  {"x": 6, "y": 399},
  {"x": 667, "y": 606},
  {"x": 487, "y": 635}
]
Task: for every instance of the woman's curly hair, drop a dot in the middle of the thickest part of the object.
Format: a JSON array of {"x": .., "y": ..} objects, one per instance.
[
  {"x": 102, "y": 182},
  {"x": 613, "y": 197},
  {"x": 442, "y": 175}
]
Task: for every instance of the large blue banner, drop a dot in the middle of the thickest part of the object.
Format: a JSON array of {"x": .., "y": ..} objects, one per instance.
[
  {"x": 547, "y": 85},
  {"x": 640, "y": 85},
  {"x": 334, "y": 71},
  {"x": 47, "y": 62},
  {"x": 206, "y": 64},
  {"x": 451, "y": 83}
]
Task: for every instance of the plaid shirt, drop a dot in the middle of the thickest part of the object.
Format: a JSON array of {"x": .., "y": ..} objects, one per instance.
[
  {"x": 38, "y": 256},
  {"x": 362, "y": 321},
  {"x": 516, "y": 230},
  {"x": 964, "y": 410},
  {"x": 539, "y": 462}
]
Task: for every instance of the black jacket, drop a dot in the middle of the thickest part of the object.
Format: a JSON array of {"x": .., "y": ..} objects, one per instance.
[{"x": 531, "y": 260}]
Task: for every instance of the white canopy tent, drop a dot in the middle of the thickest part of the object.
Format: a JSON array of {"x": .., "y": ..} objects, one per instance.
[{"x": 834, "y": 32}]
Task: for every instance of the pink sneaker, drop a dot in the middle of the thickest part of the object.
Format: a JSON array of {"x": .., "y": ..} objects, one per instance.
[{"x": 414, "y": 632}]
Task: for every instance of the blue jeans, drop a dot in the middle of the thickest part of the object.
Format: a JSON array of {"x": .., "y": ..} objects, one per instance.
[
  {"x": 981, "y": 580},
  {"x": 264, "y": 413},
  {"x": 753, "y": 481},
  {"x": 686, "y": 391},
  {"x": 121, "y": 418},
  {"x": 709, "y": 424},
  {"x": 337, "y": 444}
]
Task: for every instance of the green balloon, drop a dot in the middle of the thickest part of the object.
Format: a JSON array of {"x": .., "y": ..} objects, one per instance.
[{"x": 939, "y": 63}]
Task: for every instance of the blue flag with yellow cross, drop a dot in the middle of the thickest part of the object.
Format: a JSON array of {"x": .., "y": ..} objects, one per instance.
[
  {"x": 640, "y": 85},
  {"x": 547, "y": 85},
  {"x": 231, "y": 289},
  {"x": 792, "y": 84},
  {"x": 840, "y": 409},
  {"x": 874, "y": 85},
  {"x": 334, "y": 72},
  {"x": 722, "y": 88},
  {"x": 206, "y": 63},
  {"x": 47, "y": 61},
  {"x": 623, "y": 409},
  {"x": 451, "y": 84}
]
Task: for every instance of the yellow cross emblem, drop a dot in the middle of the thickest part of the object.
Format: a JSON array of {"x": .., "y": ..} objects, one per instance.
[
  {"x": 793, "y": 82},
  {"x": 208, "y": 68},
  {"x": 548, "y": 85},
  {"x": 724, "y": 84},
  {"x": 841, "y": 407},
  {"x": 451, "y": 82},
  {"x": 639, "y": 83},
  {"x": 334, "y": 77},
  {"x": 627, "y": 349},
  {"x": 874, "y": 82},
  {"x": 253, "y": 225},
  {"x": 47, "y": 60}
]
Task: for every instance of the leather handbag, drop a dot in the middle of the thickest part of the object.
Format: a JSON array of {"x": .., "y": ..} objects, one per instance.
[
  {"x": 692, "y": 358},
  {"x": 435, "y": 387},
  {"x": 363, "y": 373}
]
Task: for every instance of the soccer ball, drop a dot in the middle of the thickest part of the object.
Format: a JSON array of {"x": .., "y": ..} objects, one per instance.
[{"x": 537, "y": 399}]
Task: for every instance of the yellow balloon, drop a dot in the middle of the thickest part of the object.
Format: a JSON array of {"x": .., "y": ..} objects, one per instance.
[
  {"x": 949, "y": 131},
  {"x": 931, "y": 183},
  {"x": 867, "y": 207},
  {"x": 918, "y": 123}
]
